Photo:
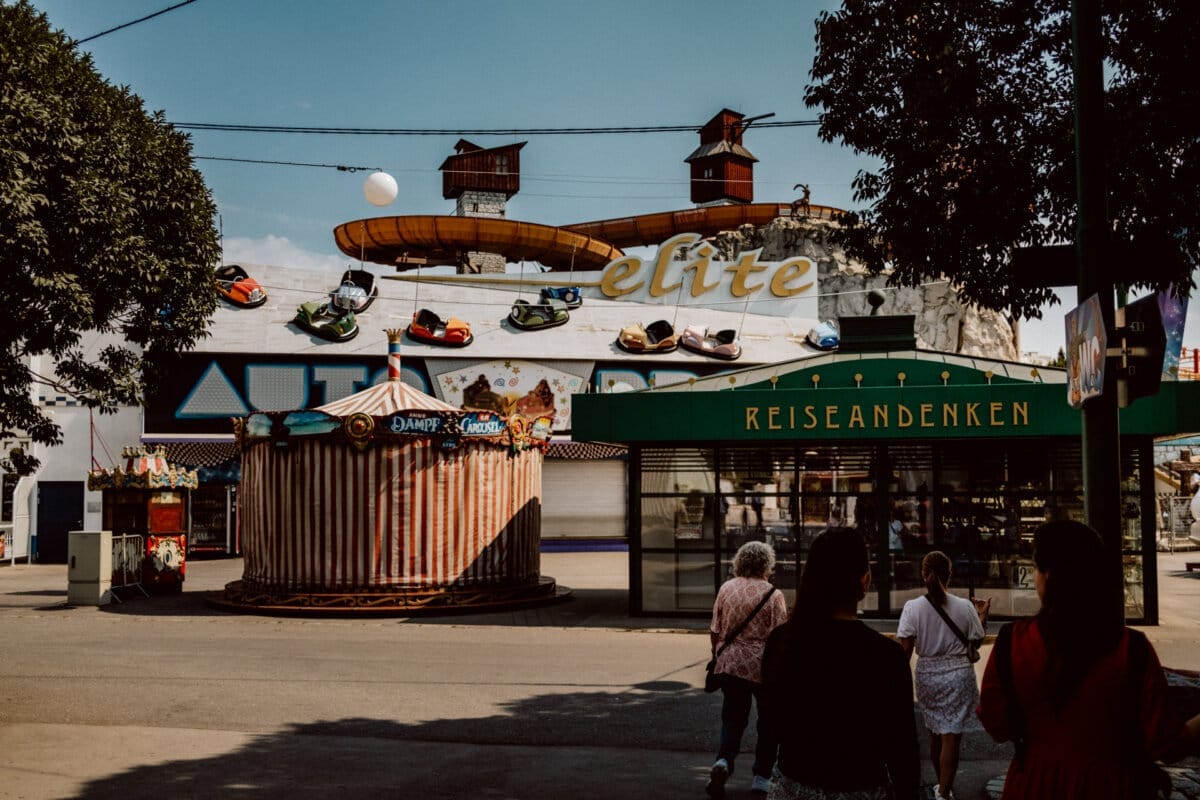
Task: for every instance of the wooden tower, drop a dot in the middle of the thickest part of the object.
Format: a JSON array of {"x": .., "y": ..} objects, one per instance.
[
  {"x": 489, "y": 171},
  {"x": 722, "y": 170},
  {"x": 481, "y": 180}
]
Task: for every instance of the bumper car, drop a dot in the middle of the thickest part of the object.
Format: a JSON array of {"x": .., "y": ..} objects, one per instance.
[
  {"x": 357, "y": 291},
  {"x": 336, "y": 325},
  {"x": 536, "y": 316},
  {"x": 714, "y": 344},
  {"x": 657, "y": 337},
  {"x": 568, "y": 294},
  {"x": 429, "y": 328},
  {"x": 824, "y": 335},
  {"x": 238, "y": 287}
]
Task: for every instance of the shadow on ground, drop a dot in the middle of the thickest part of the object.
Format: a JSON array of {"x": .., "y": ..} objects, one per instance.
[
  {"x": 654, "y": 739},
  {"x": 584, "y": 608}
]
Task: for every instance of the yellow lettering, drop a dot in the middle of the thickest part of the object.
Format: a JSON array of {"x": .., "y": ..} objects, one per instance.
[
  {"x": 830, "y": 413},
  {"x": 662, "y": 262},
  {"x": 994, "y": 410},
  {"x": 972, "y": 416},
  {"x": 812, "y": 418},
  {"x": 746, "y": 265},
  {"x": 904, "y": 416},
  {"x": 617, "y": 271},
  {"x": 881, "y": 413},
  {"x": 772, "y": 419},
  {"x": 751, "y": 419},
  {"x": 949, "y": 415},
  {"x": 788, "y": 270},
  {"x": 791, "y": 418},
  {"x": 1021, "y": 411},
  {"x": 699, "y": 268},
  {"x": 926, "y": 410},
  {"x": 856, "y": 415}
]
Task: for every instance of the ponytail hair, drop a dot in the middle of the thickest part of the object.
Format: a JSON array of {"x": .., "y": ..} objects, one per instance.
[{"x": 935, "y": 571}]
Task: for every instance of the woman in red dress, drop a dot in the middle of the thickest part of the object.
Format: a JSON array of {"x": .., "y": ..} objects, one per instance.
[{"x": 1082, "y": 697}]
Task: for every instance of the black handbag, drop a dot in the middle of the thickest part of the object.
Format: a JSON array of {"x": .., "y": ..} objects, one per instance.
[
  {"x": 972, "y": 647},
  {"x": 712, "y": 680}
]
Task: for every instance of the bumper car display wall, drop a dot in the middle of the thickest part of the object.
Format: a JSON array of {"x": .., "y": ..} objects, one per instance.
[{"x": 390, "y": 500}]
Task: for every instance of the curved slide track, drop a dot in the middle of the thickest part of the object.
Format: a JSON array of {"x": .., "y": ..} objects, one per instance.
[{"x": 431, "y": 239}]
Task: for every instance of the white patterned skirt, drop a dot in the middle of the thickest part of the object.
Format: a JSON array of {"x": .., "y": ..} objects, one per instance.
[
  {"x": 784, "y": 788},
  {"x": 946, "y": 692}
]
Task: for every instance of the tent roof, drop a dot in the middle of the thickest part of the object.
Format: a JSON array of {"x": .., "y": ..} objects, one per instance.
[{"x": 383, "y": 399}]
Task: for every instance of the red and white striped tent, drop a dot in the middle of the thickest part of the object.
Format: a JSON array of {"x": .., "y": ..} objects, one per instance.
[{"x": 387, "y": 491}]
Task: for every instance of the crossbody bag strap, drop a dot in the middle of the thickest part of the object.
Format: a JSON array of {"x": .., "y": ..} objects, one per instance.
[
  {"x": 962, "y": 637},
  {"x": 734, "y": 633}
]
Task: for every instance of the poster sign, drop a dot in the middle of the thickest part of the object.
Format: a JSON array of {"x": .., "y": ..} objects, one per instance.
[
  {"x": 1087, "y": 343},
  {"x": 1174, "y": 315}
]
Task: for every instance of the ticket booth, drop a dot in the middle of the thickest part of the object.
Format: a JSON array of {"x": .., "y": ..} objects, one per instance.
[{"x": 145, "y": 506}]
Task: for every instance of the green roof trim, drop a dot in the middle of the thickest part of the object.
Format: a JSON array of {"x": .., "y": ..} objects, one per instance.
[{"x": 966, "y": 405}]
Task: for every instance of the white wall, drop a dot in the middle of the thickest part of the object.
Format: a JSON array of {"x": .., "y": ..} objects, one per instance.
[{"x": 583, "y": 499}]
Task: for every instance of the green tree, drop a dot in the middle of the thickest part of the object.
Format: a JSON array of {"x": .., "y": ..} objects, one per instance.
[
  {"x": 107, "y": 229},
  {"x": 967, "y": 108}
]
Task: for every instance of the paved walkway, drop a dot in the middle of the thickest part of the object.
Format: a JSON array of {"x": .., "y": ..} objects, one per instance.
[{"x": 575, "y": 700}]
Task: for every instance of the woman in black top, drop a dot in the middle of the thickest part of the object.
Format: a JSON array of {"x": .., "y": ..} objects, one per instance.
[{"x": 838, "y": 694}]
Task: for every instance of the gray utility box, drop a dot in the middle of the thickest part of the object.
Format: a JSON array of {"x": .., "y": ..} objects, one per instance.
[{"x": 89, "y": 568}]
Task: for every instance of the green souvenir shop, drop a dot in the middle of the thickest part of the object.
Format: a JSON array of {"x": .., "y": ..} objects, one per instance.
[{"x": 919, "y": 450}]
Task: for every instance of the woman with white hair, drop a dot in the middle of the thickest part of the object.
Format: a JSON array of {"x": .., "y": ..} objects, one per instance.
[{"x": 747, "y": 609}]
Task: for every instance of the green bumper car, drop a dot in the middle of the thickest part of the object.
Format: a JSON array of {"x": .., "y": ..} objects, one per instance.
[{"x": 318, "y": 319}]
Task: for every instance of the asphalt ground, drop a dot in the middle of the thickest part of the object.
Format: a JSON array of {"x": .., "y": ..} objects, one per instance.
[{"x": 170, "y": 697}]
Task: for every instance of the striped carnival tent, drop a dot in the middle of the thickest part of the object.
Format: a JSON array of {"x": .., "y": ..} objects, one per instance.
[{"x": 390, "y": 499}]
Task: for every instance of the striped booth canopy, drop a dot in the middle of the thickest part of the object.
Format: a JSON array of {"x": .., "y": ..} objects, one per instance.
[{"x": 389, "y": 498}]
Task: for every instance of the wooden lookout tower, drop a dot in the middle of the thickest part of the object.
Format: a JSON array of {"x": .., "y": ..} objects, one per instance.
[
  {"x": 722, "y": 169},
  {"x": 481, "y": 180}
]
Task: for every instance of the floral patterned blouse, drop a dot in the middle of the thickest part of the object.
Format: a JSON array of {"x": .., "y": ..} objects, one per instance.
[{"x": 735, "y": 600}]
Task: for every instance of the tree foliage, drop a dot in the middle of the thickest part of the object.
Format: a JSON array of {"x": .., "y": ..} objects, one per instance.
[
  {"x": 106, "y": 228},
  {"x": 967, "y": 106}
]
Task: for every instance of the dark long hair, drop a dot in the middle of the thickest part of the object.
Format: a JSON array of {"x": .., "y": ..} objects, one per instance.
[
  {"x": 832, "y": 577},
  {"x": 1080, "y": 620}
]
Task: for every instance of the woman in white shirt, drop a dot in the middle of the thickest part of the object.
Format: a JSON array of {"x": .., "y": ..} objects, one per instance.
[{"x": 945, "y": 675}]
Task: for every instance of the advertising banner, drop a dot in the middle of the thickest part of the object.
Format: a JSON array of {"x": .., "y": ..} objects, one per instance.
[{"x": 1086, "y": 345}]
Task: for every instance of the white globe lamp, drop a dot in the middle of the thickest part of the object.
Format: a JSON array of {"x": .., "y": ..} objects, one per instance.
[{"x": 380, "y": 189}]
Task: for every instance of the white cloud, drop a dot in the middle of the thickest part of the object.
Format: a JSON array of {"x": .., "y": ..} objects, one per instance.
[{"x": 279, "y": 251}]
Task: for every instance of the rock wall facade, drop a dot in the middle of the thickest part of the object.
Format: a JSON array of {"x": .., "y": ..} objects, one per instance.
[{"x": 943, "y": 322}]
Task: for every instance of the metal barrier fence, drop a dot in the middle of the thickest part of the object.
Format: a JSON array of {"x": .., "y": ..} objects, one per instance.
[
  {"x": 1176, "y": 520},
  {"x": 128, "y": 553}
]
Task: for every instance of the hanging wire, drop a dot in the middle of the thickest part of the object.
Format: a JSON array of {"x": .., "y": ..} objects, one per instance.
[
  {"x": 134, "y": 22},
  {"x": 362, "y": 246},
  {"x": 92, "y": 444},
  {"x": 742, "y": 321},
  {"x": 678, "y": 300}
]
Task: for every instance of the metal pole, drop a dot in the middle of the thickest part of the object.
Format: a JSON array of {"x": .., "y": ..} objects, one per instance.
[{"x": 1100, "y": 425}]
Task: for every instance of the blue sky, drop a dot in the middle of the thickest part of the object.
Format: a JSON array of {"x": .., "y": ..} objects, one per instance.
[{"x": 471, "y": 64}]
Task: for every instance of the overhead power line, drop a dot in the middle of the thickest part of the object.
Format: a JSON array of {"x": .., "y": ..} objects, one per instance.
[
  {"x": 338, "y": 167},
  {"x": 336, "y": 131},
  {"x": 135, "y": 22}
]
